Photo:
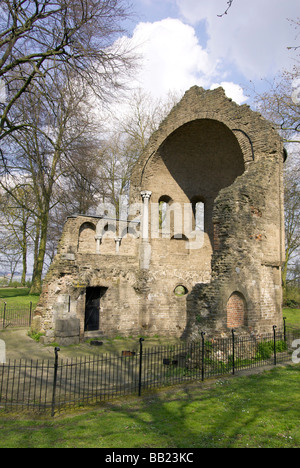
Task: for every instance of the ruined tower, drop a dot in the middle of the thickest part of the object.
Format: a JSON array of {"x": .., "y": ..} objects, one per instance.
[{"x": 203, "y": 245}]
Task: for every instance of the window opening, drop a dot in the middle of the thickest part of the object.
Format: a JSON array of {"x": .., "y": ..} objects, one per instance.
[
  {"x": 180, "y": 291},
  {"x": 199, "y": 216},
  {"x": 163, "y": 206}
]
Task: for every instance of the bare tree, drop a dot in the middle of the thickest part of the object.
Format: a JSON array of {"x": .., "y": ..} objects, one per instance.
[
  {"x": 18, "y": 223},
  {"x": 56, "y": 56},
  {"x": 81, "y": 184},
  {"x": 58, "y": 126},
  {"x": 292, "y": 218},
  {"x": 10, "y": 255},
  {"x": 143, "y": 116},
  {"x": 10, "y": 248},
  {"x": 39, "y": 36},
  {"x": 296, "y": 24},
  {"x": 119, "y": 158},
  {"x": 281, "y": 105},
  {"x": 128, "y": 138}
]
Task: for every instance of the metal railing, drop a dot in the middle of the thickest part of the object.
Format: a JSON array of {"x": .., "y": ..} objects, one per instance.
[
  {"x": 57, "y": 384},
  {"x": 15, "y": 317}
]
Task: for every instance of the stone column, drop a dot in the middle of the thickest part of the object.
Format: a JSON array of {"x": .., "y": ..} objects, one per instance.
[
  {"x": 98, "y": 240},
  {"x": 118, "y": 242},
  {"x": 145, "y": 248},
  {"x": 146, "y": 195}
]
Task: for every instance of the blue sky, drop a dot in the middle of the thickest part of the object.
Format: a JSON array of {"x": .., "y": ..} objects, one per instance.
[{"x": 184, "y": 43}]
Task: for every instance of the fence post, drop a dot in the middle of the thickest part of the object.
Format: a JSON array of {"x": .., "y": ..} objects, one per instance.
[
  {"x": 203, "y": 352},
  {"x": 4, "y": 313},
  {"x": 30, "y": 313},
  {"x": 233, "y": 352},
  {"x": 275, "y": 356},
  {"x": 284, "y": 329},
  {"x": 141, "y": 366},
  {"x": 54, "y": 381}
]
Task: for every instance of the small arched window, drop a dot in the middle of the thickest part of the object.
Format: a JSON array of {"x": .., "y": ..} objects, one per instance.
[
  {"x": 163, "y": 204},
  {"x": 236, "y": 311},
  {"x": 86, "y": 241},
  {"x": 180, "y": 291},
  {"x": 199, "y": 216},
  {"x": 198, "y": 206}
]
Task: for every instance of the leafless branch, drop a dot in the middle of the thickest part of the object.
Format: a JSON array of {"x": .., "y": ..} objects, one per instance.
[
  {"x": 37, "y": 37},
  {"x": 229, "y": 3}
]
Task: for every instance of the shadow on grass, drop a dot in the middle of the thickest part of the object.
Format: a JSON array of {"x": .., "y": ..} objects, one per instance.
[{"x": 254, "y": 411}]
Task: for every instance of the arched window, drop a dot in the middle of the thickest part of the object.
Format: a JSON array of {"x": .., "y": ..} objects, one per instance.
[
  {"x": 87, "y": 241},
  {"x": 199, "y": 216},
  {"x": 163, "y": 205},
  {"x": 198, "y": 207},
  {"x": 236, "y": 311}
]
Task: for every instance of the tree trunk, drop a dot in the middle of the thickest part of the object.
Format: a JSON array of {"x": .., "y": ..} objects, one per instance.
[
  {"x": 36, "y": 245},
  {"x": 24, "y": 271},
  {"x": 24, "y": 252},
  {"x": 36, "y": 286}
]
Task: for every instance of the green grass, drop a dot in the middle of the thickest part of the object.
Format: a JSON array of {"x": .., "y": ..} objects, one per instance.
[
  {"x": 250, "y": 411},
  {"x": 293, "y": 317},
  {"x": 17, "y": 298}
]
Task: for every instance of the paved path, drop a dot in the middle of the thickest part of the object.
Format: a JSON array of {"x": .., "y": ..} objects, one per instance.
[{"x": 20, "y": 346}]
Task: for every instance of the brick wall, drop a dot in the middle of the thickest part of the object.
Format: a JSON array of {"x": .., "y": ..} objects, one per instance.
[{"x": 236, "y": 311}]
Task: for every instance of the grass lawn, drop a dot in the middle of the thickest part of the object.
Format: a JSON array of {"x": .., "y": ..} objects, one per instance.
[
  {"x": 253, "y": 411},
  {"x": 17, "y": 297},
  {"x": 293, "y": 317}
]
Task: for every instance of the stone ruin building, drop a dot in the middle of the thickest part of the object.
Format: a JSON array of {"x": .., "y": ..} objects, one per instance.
[{"x": 202, "y": 247}]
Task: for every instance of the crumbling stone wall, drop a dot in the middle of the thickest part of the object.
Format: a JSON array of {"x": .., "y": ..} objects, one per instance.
[{"x": 161, "y": 281}]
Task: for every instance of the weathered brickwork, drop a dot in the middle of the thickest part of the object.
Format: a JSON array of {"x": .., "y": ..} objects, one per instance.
[
  {"x": 236, "y": 311},
  {"x": 154, "y": 275}
]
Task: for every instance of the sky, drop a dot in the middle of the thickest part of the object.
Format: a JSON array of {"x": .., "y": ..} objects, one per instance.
[{"x": 182, "y": 43}]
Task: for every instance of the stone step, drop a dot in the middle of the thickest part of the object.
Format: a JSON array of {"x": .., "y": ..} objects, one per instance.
[{"x": 93, "y": 334}]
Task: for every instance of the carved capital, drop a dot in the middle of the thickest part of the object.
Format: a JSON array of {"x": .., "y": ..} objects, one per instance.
[{"x": 146, "y": 195}]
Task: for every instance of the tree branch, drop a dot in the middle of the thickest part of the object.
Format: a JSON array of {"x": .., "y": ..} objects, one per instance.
[{"x": 229, "y": 3}]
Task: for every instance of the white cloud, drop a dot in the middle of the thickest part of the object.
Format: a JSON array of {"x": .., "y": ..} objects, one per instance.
[
  {"x": 171, "y": 57},
  {"x": 254, "y": 36},
  {"x": 232, "y": 90}
]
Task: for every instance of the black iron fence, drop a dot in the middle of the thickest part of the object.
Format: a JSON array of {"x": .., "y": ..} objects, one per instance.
[
  {"x": 57, "y": 384},
  {"x": 14, "y": 317}
]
